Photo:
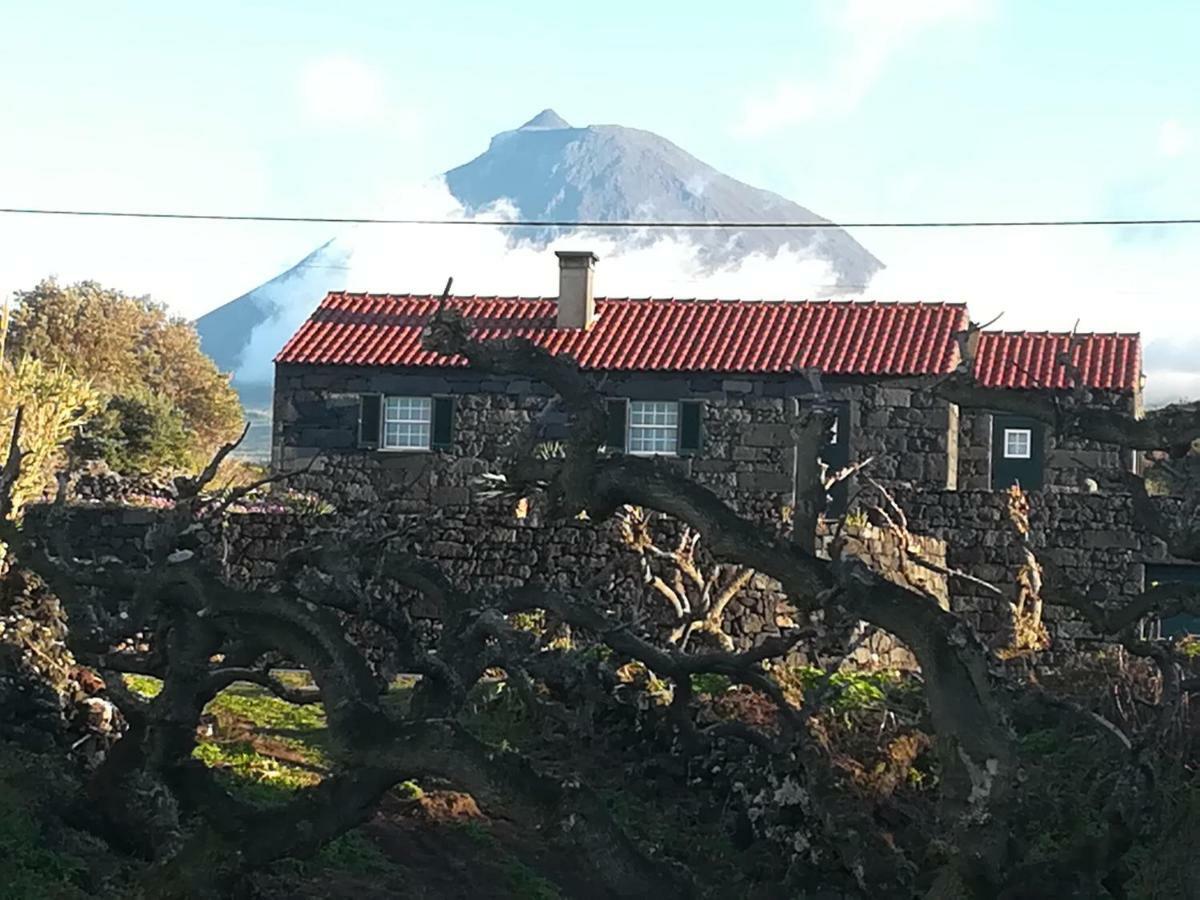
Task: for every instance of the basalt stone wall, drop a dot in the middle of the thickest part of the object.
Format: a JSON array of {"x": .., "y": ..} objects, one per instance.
[
  {"x": 1093, "y": 542},
  {"x": 1068, "y": 461},
  {"x": 475, "y": 548},
  {"x": 887, "y": 554},
  {"x": 479, "y": 549},
  {"x": 1090, "y": 539},
  {"x": 746, "y": 454}
]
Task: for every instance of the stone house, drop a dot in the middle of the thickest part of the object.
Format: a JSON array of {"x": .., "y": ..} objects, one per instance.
[{"x": 711, "y": 384}]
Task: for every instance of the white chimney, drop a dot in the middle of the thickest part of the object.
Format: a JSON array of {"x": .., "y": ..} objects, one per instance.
[{"x": 576, "y": 306}]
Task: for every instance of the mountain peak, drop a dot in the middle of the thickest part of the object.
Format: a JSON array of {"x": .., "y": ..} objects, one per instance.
[{"x": 546, "y": 120}]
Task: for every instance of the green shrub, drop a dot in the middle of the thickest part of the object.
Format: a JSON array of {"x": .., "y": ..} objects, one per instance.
[
  {"x": 31, "y": 865},
  {"x": 354, "y": 853},
  {"x": 141, "y": 432},
  {"x": 710, "y": 684},
  {"x": 847, "y": 691}
]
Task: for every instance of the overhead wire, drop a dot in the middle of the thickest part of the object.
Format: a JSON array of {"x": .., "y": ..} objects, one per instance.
[{"x": 596, "y": 224}]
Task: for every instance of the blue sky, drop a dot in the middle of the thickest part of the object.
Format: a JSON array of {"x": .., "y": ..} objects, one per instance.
[{"x": 859, "y": 110}]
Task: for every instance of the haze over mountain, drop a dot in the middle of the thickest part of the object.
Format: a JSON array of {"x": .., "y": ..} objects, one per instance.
[{"x": 549, "y": 170}]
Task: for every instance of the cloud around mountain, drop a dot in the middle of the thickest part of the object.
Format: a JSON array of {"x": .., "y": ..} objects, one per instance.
[{"x": 547, "y": 170}]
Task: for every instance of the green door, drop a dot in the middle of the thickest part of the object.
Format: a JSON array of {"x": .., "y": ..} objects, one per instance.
[
  {"x": 835, "y": 453},
  {"x": 1018, "y": 452}
]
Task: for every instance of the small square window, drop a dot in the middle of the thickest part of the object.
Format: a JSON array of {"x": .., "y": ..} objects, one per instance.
[
  {"x": 407, "y": 423},
  {"x": 653, "y": 427},
  {"x": 1018, "y": 443}
]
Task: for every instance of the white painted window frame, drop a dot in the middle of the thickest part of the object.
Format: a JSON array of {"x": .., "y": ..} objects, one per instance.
[
  {"x": 630, "y": 427},
  {"x": 1015, "y": 432},
  {"x": 386, "y": 420}
]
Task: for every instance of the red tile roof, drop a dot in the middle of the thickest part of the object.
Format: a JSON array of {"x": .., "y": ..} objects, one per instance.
[
  {"x": 843, "y": 338},
  {"x": 1018, "y": 359}
]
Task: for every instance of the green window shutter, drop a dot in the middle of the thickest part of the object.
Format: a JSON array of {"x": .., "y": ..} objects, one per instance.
[
  {"x": 691, "y": 431},
  {"x": 618, "y": 412},
  {"x": 443, "y": 423},
  {"x": 1027, "y": 471},
  {"x": 370, "y": 416}
]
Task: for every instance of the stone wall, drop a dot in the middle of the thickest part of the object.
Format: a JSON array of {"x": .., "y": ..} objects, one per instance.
[
  {"x": 746, "y": 455},
  {"x": 476, "y": 549},
  {"x": 914, "y": 439},
  {"x": 1091, "y": 540},
  {"x": 479, "y": 548},
  {"x": 887, "y": 554},
  {"x": 1068, "y": 461}
]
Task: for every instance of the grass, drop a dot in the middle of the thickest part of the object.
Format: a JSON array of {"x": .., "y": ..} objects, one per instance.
[
  {"x": 526, "y": 884},
  {"x": 249, "y": 720},
  {"x": 32, "y": 866},
  {"x": 30, "y": 870},
  {"x": 247, "y": 716},
  {"x": 251, "y": 702},
  {"x": 710, "y": 684},
  {"x": 253, "y": 776},
  {"x": 477, "y": 833},
  {"x": 143, "y": 685},
  {"x": 354, "y": 854},
  {"x": 244, "y": 715}
]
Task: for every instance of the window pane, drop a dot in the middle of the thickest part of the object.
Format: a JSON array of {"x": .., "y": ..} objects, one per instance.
[
  {"x": 652, "y": 440},
  {"x": 406, "y": 423},
  {"x": 653, "y": 413},
  {"x": 1017, "y": 443},
  {"x": 653, "y": 426},
  {"x": 407, "y": 409}
]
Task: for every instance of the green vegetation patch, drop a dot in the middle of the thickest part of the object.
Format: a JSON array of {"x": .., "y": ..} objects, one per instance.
[
  {"x": 526, "y": 884},
  {"x": 31, "y": 865}
]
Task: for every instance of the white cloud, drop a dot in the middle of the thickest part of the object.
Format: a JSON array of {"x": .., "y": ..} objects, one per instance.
[
  {"x": 419, "y": 259},
  {"x": 341, "y": 90},
  {"x": 1039, "y": 278},
  {"x": 866, "y": 35},
  {"x": 1174, "y": 139},
  {"x": 1049, "y": 278}
]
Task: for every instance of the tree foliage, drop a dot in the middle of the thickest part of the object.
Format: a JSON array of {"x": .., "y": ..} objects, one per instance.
[
  {"x": 53, "y": 402},
  {"x": 166, "y": 404},
  {"x": 138, "y": 432}
]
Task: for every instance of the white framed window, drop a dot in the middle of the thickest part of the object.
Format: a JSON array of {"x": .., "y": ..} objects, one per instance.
[
  {"x": 407, "y": 423},
  {"x": 653, "y": 427},
  {"x": 1018, "y": 443}
]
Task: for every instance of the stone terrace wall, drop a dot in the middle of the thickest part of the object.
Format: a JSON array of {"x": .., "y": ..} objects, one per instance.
[
  {"x": 473, "y": 547},
  {"x": 477, "y": 550},
  {"x": 1091, "y": 539}
]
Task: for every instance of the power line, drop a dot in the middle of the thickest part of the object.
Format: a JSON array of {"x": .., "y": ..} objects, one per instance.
[{"x": 576, "y": 223}]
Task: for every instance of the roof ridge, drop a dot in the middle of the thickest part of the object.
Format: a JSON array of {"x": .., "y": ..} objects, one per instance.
[
  {"x": 1067, "y": 334},
  {"x": 785, "y": 301},
  {"x": 759, "y": 301}
]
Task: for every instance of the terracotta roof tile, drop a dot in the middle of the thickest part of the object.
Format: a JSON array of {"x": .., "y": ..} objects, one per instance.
[
  {"x": 666, "y": 335},
  {"x": 1019, "y": 359}
]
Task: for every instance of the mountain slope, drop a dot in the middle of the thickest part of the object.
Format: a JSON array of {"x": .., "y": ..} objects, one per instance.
[{"x": 549, "y": 170}]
